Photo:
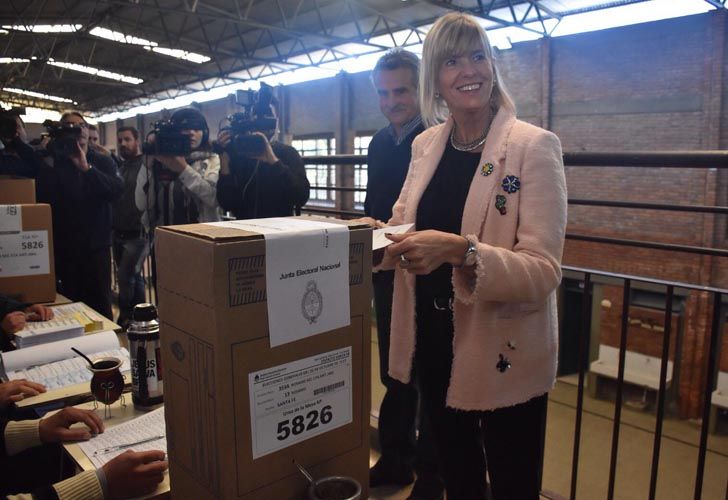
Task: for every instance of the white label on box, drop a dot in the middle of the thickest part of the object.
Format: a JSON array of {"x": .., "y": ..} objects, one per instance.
[
  {"x": 299, "y": 400},
  {"x": 307, "y": 275},
  {"x": 24, "y": 254},
  {"x": 11, "y": 218}
]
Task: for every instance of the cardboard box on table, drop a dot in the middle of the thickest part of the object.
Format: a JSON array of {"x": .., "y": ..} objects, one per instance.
[
  {"x": 27, "y": 270},
  {"x": 16, "y": 190},
  {"x": 214, "y": 332}
]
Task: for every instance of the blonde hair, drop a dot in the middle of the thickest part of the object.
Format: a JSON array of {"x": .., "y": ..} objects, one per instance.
[{"x": 454, "y": 34}]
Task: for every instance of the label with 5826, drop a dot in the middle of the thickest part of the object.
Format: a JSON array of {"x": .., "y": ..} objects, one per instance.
[{"x": 296, "y": 401}]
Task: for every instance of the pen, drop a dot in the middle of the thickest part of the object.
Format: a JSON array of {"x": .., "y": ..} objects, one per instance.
[{"x": 127, "y": 445}]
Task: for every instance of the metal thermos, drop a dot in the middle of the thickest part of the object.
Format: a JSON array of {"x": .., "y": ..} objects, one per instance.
[{"x": 146, "y": 359}]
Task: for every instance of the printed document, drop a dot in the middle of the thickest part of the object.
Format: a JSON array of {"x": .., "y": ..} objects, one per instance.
[{"x": 144, "y": 433}]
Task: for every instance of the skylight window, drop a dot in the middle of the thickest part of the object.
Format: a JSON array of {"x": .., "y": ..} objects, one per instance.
[
  {"x": 180, "y": 54},
  {"x": 39, "y": 95},
  {"x": 44, "y": 28},
  {"x": 11, "y": 60},
  {"x": 117, "y": 36},
  {"x": 96, "y": 71}
]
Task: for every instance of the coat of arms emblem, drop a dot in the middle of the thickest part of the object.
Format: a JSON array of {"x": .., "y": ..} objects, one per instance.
[{"x": 312, "y": 302}]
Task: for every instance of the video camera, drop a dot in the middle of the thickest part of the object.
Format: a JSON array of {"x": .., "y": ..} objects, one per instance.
[
  {"x": 9, "y": 124},
  {"x": 255, "y": 117},
  {"x": 168, "y": 140},
  {"x": 64, "y": 137}
]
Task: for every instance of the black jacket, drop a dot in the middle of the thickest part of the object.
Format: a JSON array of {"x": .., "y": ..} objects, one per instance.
[
  {"x": 81, "y": 201},
  {"x": 256, "y": 189},
  {"x": 8, "y": 305}
]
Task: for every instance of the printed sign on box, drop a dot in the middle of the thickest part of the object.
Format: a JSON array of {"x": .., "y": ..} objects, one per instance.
[{"x": 296, "y": 401}]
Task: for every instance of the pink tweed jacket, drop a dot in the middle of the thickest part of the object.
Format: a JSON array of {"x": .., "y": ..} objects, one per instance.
[{"x": 505, "y": 323}]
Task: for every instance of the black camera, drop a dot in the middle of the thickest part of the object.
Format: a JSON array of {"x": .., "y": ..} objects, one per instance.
[
  {"x": 168, "y": 140},
  {"x": 64, "y": 137},
  {"x": 256, "y": 116}
]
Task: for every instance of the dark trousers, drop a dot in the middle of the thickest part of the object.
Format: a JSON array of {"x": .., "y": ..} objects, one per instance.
[
  {"x": 129, "y": 255},
  {"x": 399, "y": 409},
  {"x": 511, "y": 438},
  {"x": 86, "y": 277}
]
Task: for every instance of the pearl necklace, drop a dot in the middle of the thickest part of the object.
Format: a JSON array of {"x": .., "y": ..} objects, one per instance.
[{"x": 470, "y": 146}]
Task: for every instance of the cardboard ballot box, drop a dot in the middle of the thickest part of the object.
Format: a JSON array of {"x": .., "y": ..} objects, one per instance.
[
  {"x": 238, "y": 411},
  {"x": 27, "y": 269},
  {"x": 16, "y": 190}
]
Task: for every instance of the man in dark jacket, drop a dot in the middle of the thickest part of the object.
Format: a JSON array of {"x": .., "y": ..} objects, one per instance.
[
  {"x": 80, "y": 185},
  {"x": 389, "y": 153},
  {"x": 129, "y": 244},
  {"x": 270, "y": 184}
]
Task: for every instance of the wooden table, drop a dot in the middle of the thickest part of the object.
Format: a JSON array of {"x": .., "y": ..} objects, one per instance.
[{"x": 119, "y": 414}]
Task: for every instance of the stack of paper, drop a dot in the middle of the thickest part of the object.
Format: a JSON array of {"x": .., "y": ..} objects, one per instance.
[
  {"x": 90, "y": 319},
  {"x": 41, "y": 332},
  {"x": 55, "y": 365}
]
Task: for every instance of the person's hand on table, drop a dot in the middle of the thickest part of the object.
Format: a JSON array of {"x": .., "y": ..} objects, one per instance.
[
  {"x": 133, "y": 474},
  {"x": 39, "y": 312},
  {"x": 56, "y": 428},
  {"x": 421, "y": 252},
  {"x": 13, "y": 322},
  {"x": 16, "y": 390}
]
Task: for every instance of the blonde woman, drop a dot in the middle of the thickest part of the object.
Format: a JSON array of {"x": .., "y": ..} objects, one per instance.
[{"x": 474, "y": 295}]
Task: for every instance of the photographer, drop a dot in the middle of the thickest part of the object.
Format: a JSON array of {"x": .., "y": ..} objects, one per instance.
[
  {"x": 80, "y": 185},
  {"x": 179, "y": 189},
  {"x": 16, "y": 156},
  {"x": 259, "y": 178}
]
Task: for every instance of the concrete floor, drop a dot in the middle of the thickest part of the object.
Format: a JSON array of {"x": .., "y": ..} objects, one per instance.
[{"x": 678, "y": 457}]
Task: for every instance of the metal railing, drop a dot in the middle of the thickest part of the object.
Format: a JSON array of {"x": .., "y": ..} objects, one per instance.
[{"x": 691, "y": 160}]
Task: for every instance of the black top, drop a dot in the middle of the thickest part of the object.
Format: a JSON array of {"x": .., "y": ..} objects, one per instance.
[
  {"x": 387, "y": 166},
  {"x": 441, "y": 208},
  {"x": 18, "y": 159},
  {"x": 81, "y": 201},
  {"x": 264, "y": 190},
  {"x": 126, "y": 216}
]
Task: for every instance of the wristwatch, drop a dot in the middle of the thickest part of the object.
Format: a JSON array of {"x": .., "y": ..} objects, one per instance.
[{"x": 471, "y": 253}]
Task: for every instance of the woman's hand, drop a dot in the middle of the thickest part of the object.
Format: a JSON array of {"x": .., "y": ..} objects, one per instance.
[
  {"x": 371, "y": 222},
  {"x": 134, "y": 474},
  {"x": 16, "y": 390},
  {"x": 176, "y": 164},
  {"x": 425, "y": 251},
  {"x": 56, "y": 428},
  {"x": 39, "y": 312}
]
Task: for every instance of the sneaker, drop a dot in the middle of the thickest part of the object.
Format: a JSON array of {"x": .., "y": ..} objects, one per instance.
[
  {"x": 428, "y": 488},
  {"x": 386, "y": 473}
]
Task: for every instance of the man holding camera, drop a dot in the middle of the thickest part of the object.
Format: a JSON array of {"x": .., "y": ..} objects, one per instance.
[
  {"x": 260, "y": 178},
  {"x": 80, "y": 185},
  {"x": 179, "y": 186}
]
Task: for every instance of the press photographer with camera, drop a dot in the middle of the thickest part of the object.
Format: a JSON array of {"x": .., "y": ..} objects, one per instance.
[
  {"x": 178, "y": 183},
  {"x": 259, "y": 178},
  {"x": 80, "y": 184}
]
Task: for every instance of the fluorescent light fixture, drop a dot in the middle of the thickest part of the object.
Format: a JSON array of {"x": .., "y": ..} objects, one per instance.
[
  {"x": 180, "y": 54},
  {"x": 11, "y": 60},
  {"x": 96, "y": 71},
  {"x": 117, "y": 36},
  {"x": 33, "y": 115},
  {"x": 39, "y": 95},
  {"x": 4, "y": 32},
  {"x": 44, "y": 28}
]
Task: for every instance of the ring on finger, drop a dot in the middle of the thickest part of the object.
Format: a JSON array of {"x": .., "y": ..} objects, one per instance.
[{"x": 403, "y": 260}]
